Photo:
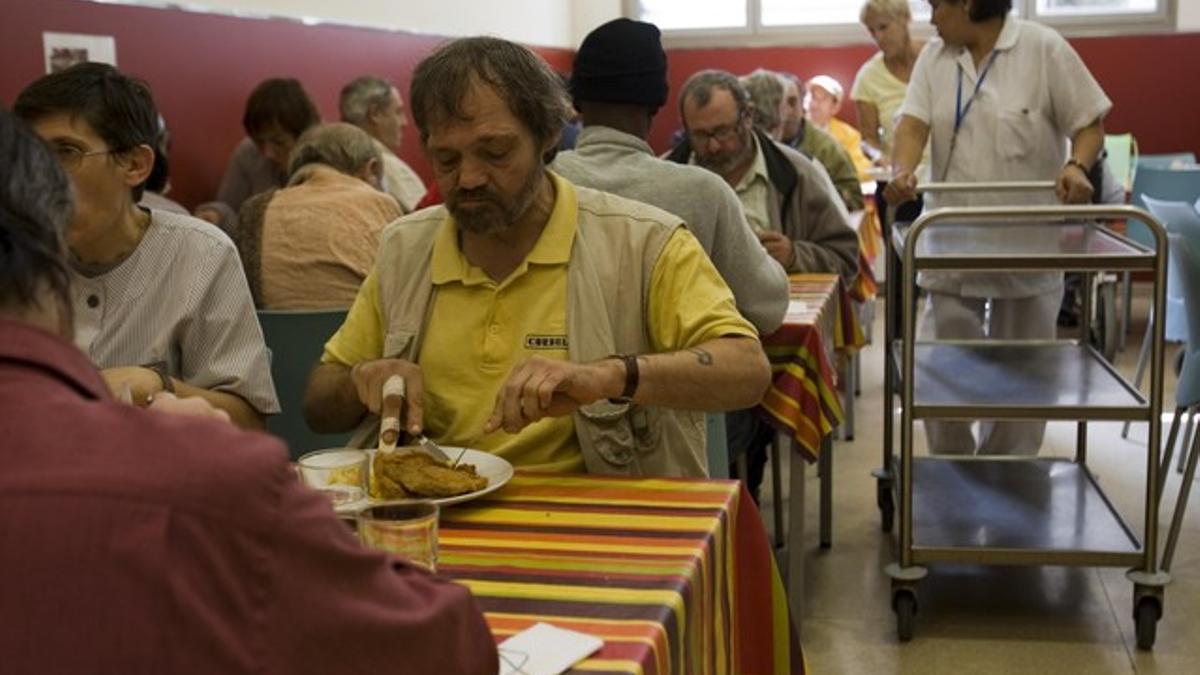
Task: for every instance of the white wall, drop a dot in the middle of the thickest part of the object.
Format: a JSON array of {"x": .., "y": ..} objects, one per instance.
[
  {"x": 545, "y": 23},
  {"x": 1188, "y": 13},
  {"x": 588, "y": 14}
]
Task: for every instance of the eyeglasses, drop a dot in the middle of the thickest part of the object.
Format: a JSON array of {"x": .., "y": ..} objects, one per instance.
[
  {"x": 722, "y": 134},
  {"x": 71, "y": 157}
]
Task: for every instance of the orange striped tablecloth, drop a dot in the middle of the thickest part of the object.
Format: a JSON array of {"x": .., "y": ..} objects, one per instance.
[
  {"x": 869, "y": 238},
  {"x": 676, "y": 576},
  {"x": 820, "y": 326}
]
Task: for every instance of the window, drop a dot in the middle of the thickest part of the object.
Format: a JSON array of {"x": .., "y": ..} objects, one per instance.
[
  {"x": 693, "y": 14},
  {"x": 756, "y": 22},
  {"x": 1078, "y": 7}
]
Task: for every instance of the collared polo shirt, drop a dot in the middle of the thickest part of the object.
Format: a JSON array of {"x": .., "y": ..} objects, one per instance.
[{"x": 480, "y": 329}]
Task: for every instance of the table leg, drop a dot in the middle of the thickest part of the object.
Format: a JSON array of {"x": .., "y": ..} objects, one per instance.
[
  {"x": 846, "y": 378},
  {"x": 825, "y": 462},
  {"x": 794, "y": 556},
  {"x": 777, "y": 448}
]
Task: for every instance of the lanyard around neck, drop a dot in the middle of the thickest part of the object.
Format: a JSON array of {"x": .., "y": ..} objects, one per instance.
[{"x": 960, "y": 112}]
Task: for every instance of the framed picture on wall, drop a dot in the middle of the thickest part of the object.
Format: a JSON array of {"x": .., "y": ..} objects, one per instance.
[{"x": 64, "y": 50}]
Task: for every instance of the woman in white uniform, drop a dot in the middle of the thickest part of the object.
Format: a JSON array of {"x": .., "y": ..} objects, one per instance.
[{"x": 1000, "y": 99}]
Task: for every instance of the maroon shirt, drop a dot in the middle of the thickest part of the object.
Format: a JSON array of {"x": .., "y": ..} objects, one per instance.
[{"x": 133, "y": 541}]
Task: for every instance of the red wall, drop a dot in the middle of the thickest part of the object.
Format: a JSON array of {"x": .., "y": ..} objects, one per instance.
[
  {"x": 1151, "y": 79},
  {"x": 202, "y": 67}
]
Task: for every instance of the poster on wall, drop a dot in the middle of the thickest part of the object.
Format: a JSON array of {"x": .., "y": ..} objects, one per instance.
[{"x": 64, "y": 50}]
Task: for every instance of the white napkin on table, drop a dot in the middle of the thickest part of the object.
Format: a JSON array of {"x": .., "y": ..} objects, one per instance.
[{"x": 543, "y": 649}]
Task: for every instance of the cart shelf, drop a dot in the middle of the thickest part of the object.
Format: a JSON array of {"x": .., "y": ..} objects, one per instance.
[
  {"x": 1020, "y": 380},
  {"x": 1015, "y": 512},
  {"x": 1024, "y": 246}
]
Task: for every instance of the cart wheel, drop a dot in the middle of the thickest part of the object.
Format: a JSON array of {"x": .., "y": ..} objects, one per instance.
[
  {"x": 1145, "y": 616},
  {"x": 887, "y": 508},
  {"x": 904, "y": 602}
]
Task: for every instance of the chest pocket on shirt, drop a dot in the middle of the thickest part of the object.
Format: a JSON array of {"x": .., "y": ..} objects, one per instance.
[{"x": 1015, "y": 135}]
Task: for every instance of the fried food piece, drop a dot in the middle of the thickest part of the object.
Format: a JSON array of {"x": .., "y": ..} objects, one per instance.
[{"x": 418, "y": 475}]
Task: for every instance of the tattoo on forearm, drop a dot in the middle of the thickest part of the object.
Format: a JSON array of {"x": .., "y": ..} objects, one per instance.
[{"x": 702, "y": 356}]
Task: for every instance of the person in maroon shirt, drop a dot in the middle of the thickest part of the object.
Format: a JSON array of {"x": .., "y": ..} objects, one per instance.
[{"x": 137, "y": 541}]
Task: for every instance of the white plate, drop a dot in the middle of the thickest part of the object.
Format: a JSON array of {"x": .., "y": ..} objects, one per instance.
[{"x": 496, "y": 469}]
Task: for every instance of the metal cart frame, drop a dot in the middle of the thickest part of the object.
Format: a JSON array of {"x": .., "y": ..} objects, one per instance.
[{"x": 1037, "y": 511}]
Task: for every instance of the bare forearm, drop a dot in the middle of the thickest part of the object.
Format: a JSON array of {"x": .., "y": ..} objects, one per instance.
[
  {"x": 909, "y": 143},
  {"x": 868, "y": 124},
  {"x": 722, "y": 374},
  {"x": 1087, "y": 143},
  {"x": 331, "y": 402},
  {"x": 240, "y": 412}
]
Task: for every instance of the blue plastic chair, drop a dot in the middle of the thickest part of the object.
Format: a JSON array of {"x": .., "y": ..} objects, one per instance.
[
  {"x": 1172, "y": 214},
  {"x": 718, "y": 448},
  {"x": 1187, "y": 393},
  {"x": 296, "y": 340},
  {"x": 1166, "y": 161},
  {"x": 1178, "y": 185}
]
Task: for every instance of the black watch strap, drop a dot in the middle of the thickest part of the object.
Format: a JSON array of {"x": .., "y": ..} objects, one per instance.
[
  {"x": 160, "y": 369},
  {"x": 631, "y": 378}
]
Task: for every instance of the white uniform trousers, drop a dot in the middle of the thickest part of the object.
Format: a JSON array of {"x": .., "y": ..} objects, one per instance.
[{"x": 954, "y": 317}]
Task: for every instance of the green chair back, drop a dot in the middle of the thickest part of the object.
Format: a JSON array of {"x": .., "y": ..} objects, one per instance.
[
  {"x": 1121, "y": 151},
  {"x": 718, "y": 449},
  {"x": 296, "y": 340}
]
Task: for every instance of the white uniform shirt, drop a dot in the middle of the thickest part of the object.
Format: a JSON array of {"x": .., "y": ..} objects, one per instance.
[
  {"x": 399, "y": 180},
  {"x": 180, "y": 299},
  {"x": 1035, "y": 97}
]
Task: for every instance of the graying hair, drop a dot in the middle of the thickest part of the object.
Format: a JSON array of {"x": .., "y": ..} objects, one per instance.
[
  {"x": 361, "y": 95},
  {"x": 766, "y": 91},
  {"x": 699, "y": 87},
  {"x": 341, "y": 146},
  {"x": 533, "y": 92},
  {"x": 897, "y": 10}
]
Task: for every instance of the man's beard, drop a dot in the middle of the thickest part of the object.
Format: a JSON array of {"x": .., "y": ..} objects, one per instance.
[
  {"x": 723, "y": 162},
  {"x": 488, "y": 213}
]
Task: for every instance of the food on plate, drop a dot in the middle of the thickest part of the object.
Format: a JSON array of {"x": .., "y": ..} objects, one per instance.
[{"x": 408, "y": 473}]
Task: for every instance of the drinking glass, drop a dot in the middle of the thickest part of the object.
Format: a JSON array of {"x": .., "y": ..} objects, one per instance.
[
  {"x": 407, "y": 529},
  {"x": 340, "y": 474}
]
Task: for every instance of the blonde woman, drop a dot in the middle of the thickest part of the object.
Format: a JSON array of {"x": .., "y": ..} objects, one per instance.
[{"x": 881, "y": 82}]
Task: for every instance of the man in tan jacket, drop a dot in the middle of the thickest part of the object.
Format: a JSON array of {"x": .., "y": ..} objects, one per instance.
[{"x": 561, "y": 328}]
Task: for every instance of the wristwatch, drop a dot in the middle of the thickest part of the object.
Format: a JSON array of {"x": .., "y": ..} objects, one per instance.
[
  {"x": 1082, "y": 167},
  {"x": 160, "y": 369},
  {"x": 631, "y": 378}
]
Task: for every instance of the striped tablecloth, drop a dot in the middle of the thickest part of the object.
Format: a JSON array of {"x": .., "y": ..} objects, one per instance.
[
  {"x": 820, "y": 326},
  {"x": 869, "y": 238},
  {"x": 676, "y": 576}
]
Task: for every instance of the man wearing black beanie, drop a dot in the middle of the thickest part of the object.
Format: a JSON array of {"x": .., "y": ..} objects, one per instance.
[{"x": 618, "y": 83}]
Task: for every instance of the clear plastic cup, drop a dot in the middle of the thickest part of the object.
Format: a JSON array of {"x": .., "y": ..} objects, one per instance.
[{"x": 339, "y": 473}]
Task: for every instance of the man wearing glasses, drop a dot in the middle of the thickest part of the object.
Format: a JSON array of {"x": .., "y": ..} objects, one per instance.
[
  {"x": 159, "y": 299},
  {"x": 788, "y": 202},
  {"x": 785, "y": 197}
]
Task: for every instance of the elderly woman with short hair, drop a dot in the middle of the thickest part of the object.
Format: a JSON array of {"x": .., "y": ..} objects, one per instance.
[{"x": 881, "y": 82}]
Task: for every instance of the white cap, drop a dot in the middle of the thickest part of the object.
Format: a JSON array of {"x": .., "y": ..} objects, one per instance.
[{"x": 828, "y": 84}]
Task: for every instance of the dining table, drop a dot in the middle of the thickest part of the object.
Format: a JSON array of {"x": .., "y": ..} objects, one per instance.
[
  {"x": 673, "y": 575},
  {"x": 803, "y": 403}
]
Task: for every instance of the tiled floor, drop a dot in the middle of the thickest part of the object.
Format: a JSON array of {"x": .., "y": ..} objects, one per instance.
[{"x": 991, "y": 619}]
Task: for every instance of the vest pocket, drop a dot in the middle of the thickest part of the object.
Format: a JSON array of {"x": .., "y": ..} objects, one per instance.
[{"x": 611, "y": 433}]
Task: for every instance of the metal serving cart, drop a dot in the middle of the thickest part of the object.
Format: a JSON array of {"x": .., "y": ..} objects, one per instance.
[{"x": 1015, "y": 510}]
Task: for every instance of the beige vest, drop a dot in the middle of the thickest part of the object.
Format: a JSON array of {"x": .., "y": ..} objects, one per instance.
[{"x": 617, "y": 243}]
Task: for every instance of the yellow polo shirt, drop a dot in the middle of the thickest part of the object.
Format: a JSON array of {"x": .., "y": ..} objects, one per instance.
[{"x": 480, "y": 329}]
